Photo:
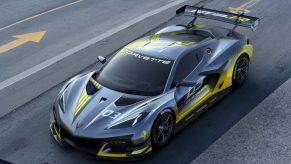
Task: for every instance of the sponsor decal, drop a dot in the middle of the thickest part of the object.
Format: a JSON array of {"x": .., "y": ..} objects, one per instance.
[
  {"x": 201, "y": 108},
  {"x": 232, "y": 17},
  {"x": 156, "y": 42},
  {"x": 242, "y": 19},
  {"x": 188, "y": 118},
  {"x": 126, "y": 52}
]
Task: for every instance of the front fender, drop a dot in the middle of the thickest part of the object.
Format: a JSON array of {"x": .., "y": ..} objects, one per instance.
[{"x": 166, "y": 101}]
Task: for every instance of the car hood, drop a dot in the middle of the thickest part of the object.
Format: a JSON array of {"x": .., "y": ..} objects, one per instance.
[{"x": 90, "y": 112}]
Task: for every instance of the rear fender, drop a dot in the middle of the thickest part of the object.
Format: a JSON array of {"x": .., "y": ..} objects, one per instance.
[{"x": 225, "y": 79}]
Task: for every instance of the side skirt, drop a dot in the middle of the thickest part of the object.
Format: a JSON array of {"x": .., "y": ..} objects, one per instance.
[{"x": 200, "y": 109}]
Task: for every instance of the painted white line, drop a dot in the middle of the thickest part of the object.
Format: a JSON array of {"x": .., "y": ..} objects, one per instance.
[
  {"x": 40, "y": 14},
  {"x": 51, "y": 61}
]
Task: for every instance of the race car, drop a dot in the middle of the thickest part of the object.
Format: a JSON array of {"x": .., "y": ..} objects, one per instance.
[{"x": 153, "y": 87}]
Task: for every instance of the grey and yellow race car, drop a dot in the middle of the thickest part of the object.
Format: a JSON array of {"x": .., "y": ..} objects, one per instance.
[{"x": 153, "y": 87}]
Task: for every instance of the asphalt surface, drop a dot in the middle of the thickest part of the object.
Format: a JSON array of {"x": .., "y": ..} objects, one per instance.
[
  {"x": 25, "y": 136},
  {"x": 263, "y": 136},
  {"x": 65, "y": 28},
  {"x": 13, "y": 11}
]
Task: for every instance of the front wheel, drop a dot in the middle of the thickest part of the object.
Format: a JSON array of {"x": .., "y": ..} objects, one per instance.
[
  {"x": 240, "y": 71},
  {"x": 162, "y": 129}
]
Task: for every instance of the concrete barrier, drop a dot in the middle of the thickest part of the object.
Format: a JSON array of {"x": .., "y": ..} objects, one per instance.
[{"x": 29, "y": 84}]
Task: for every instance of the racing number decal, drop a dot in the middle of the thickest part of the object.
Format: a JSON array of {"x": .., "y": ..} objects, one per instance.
[
  {"x": 186, "y": 98},
  {"x": 190, "y": 94},
  {"x": 111, "y": 114}
]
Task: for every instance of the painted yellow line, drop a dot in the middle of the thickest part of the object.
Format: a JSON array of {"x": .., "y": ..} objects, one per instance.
[
  {"x": 244, "y": 8},
  {"x": 22, "y": 39},
  {"x": 40, "y": 14}
]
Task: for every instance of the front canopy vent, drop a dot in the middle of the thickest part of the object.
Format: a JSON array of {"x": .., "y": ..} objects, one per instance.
[{"x": 92, "y": 87}]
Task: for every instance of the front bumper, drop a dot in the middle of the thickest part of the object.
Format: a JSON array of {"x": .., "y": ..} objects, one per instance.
[{"x": 108, "y": 148}]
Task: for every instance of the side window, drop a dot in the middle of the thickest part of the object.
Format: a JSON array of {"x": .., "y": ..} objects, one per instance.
[{"x": 185, "y": 67}]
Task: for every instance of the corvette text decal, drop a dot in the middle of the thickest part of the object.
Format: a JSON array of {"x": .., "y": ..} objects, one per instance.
[{"x": 126, "y": 52}]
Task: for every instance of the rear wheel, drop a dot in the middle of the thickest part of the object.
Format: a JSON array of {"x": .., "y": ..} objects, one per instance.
[
  {"x": 162, "y": 129},
  {"x": 240, "y": 71}
]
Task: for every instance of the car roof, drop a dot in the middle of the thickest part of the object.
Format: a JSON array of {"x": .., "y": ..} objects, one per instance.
[{"x": 170, "y": 45}]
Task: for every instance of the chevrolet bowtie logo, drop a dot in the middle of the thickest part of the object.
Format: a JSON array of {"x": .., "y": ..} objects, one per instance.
[{"x": 78, "y": 125}]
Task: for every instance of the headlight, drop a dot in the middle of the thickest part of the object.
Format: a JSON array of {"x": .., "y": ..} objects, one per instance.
[
  {"x": 130, "y": 122},
  {"x": 139, "y": 118},
  {"x": 61, "y": 98},
  {"x": 70, "y": 81}
]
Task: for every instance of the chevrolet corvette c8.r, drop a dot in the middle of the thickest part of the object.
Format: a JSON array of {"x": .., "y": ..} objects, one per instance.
[{"x": 153, "y": 87}]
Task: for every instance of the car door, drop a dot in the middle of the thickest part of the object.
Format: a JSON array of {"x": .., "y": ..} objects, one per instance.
[{"x": 184, "y": 69}]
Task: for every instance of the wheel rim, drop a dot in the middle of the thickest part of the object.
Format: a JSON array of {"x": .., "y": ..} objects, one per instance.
[
  {"x": 164, "y": 128},
  {"x": 241, "y": 69}
]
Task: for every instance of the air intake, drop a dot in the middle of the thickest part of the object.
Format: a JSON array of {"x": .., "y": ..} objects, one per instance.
[
  {"x": 92, "y": 87},
  {"x": 122, "y": 101}
]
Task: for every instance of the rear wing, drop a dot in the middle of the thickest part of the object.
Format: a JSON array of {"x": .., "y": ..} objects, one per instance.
[{"x": 236, "y": 19}]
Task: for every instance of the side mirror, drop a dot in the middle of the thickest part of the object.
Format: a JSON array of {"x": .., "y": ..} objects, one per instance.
[
  {"x": 186, "y": 83},
  {"x": 101, "y": 59}
]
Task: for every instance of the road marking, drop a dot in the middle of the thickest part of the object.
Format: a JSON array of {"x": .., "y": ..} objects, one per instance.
[
  {"x": 22, "y": 39},
  {"x": 40, "y": 14},
  {"x": 244, "y": 8},
  {"x": 36, "y": 80},
  {"x": 12, "y": 80}
]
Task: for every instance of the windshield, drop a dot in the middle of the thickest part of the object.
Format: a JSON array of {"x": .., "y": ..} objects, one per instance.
[{"x": 134, "y": 73}]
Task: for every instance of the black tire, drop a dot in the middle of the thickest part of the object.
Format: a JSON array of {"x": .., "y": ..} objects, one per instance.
[
  {"x": 240, "y": 70},
  {"x": 162, "y": 128}
]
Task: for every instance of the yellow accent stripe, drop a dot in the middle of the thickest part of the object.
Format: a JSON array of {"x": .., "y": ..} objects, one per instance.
[
  {"x": 58, "y": 132},
  {"x": 154, "y": 42},
  {"x": 96, "y": 84},
  {"x": 144, "y": 150},
  {"x": 144, "y": 134},
  {"x": 201, "y": 100},
  {"x": 82, "y": 101},
  {"x": 149, "y": 150},
  {"x": 83, "y": 96},
  {"x": 101, "y": 153},
  {"x": 136, "y": 44}
]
